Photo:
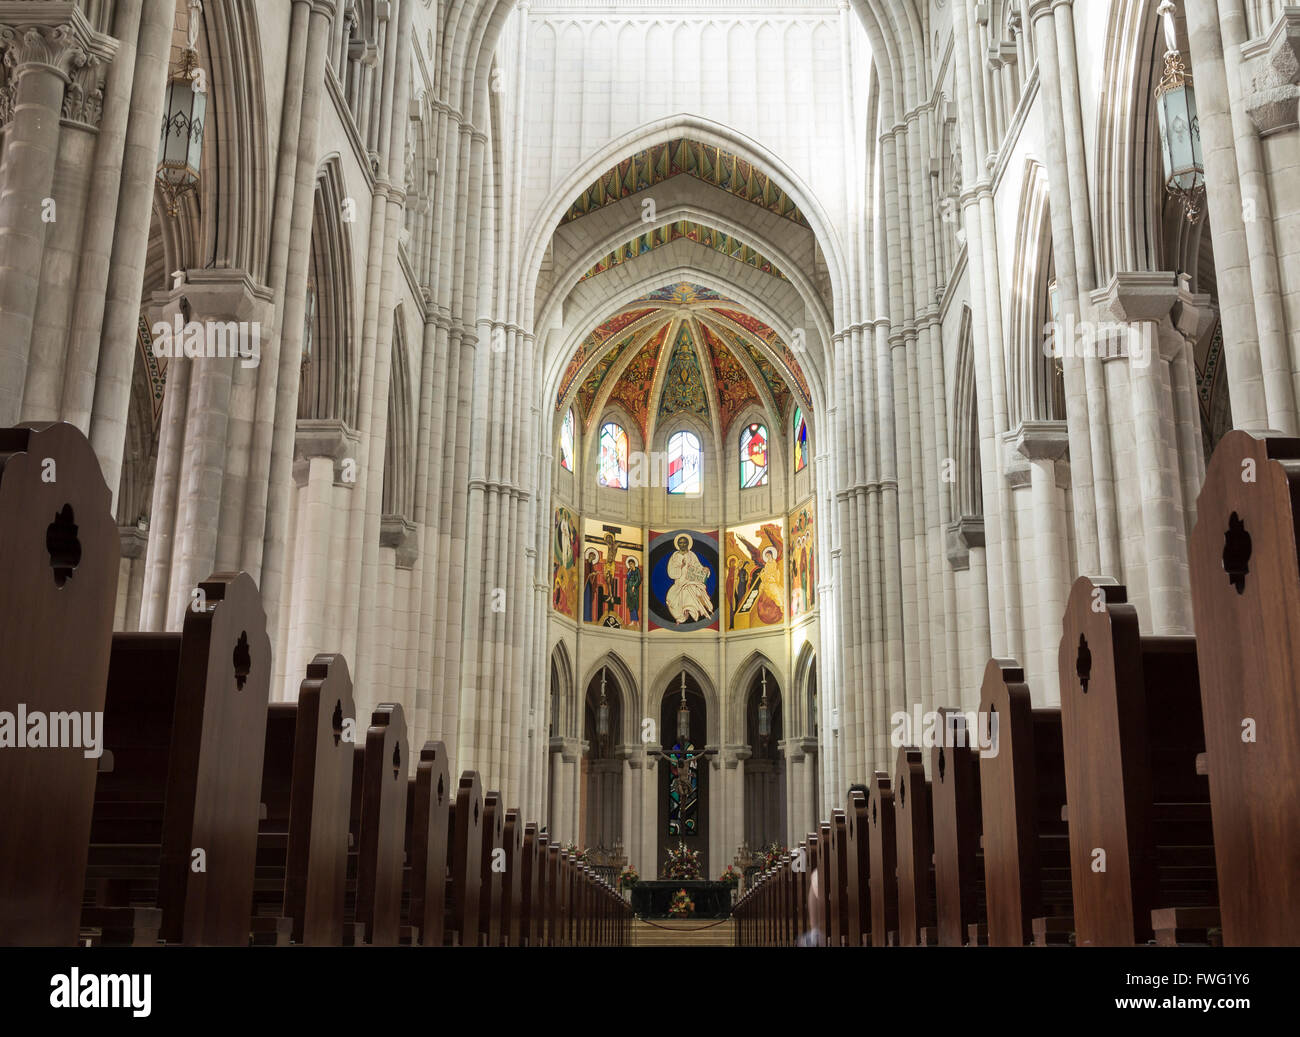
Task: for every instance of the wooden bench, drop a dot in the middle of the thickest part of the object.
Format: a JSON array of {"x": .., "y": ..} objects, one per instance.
[
  {"x": 1139, "y": 814},
  {"x": 465, "y": 851},
  {"x": 178, "y": 793},
  {"x": 1245, "y": 574},
  {"x": 1022, "y": 791},
  {"x": 428, "y": 800},
  {"x": 489, "y": 904},
  {"x": 914, "y": 842},
  {"x": 857, "y": 836},
  {"x": 302, "y": 839},
  {"x": 512, "y": 841},
  {"x": 379, "y": 785},
  {"x": 958, "y": 827},
  {"x": 882, "y": 843},
  {"x": 59, "y": 554}
]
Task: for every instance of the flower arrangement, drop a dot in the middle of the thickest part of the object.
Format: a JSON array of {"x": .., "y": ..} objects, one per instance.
[
  {"x": 730, "y": 876},
  {"x": 682, "y": 863},
  {"x": 628, "y": 878},
  {"x": 770, "y": 857},
  {"x": 682, "y": 905},
  {"x": 577, "y": 855}
]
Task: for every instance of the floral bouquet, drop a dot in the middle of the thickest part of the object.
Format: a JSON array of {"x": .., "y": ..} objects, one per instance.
[
  {"x": 730, "y": 876},
  {"x": 628, "y": 878},
  {"x": 576, "y": 855},
  {"x": 772, "y": 856},
  {"x": 683, "y": 863},
  {"x": 682, "y": 906}
]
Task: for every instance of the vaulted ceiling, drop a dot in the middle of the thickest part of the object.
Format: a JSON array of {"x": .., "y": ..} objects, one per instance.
[{"x": 683, "y": 349}]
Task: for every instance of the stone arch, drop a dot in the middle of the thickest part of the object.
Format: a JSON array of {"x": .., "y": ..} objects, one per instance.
[
  {"x": 1034, "y": 392},
  {"x": 625, "y": 685},
  {"x": 968, "y": 491},
  {"x": 667, "y": 674},
  {"x": 330, "y": 368},
  {"x": 399, "y": 456},
  {"x": 549, "y": 214},
  {"x": 561, "y": 703},
  {"x": 740, "y": 686}
]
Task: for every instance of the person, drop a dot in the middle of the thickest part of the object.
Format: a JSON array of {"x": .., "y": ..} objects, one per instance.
[
  {"x": 816, "y": 912},
  {"x": 688, "y": 598}
]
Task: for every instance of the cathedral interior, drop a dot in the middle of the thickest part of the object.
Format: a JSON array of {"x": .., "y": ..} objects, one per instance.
[{"x": 663, "y": 403}]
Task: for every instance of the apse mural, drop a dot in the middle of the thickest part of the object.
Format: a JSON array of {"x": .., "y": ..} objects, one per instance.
[
  {"x": 611, "y": 575},
  {"x": 803, "y": 560},
  {"x": 564, "y": 563},
  {"x": 754, "y": 588},
  {"x": 683, "y": 580}
]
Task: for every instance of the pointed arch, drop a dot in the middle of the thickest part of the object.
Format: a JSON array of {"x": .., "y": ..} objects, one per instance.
[
  {"x": 330, "y": 368},
  {"x": 624, "y": 684}
]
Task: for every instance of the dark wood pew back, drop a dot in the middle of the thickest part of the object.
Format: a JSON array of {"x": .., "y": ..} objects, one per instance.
[
  {"x": 428, "y": 810},
  {"x": 59, "y": 554},
  {"x": 958, "y": 828},
  {"x": 1022, "y": 791},
  {"x": 882, "y": 840},
  {"x": 185, "y": 723},
  {"x": 1245, "y": 576},
  {"x": 464, "y": 864},
  {"x": 914, "y": 843},
  {"x": 1138, "y": 813}
]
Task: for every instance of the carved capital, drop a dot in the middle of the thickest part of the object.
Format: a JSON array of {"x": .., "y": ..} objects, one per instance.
[{"x": 56, "y": 48}]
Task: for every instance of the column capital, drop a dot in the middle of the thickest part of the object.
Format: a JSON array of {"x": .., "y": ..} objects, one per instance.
[
  {"x": 964, "y": 534},
  {"x": 54, "y": 35},
  {"x": 1138, "y": 295},
  {"x": 1042, "y": 440}
]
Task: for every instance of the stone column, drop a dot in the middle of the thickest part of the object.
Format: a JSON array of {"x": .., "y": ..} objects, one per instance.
[
  {"x": 1142, "y": 300},
  {"x": 1241, "y": 336},
  {"x": 104, "y": 332},
  {"x": 651, "y": 827},
  {"x": 72, "y": 192},
  {"x": 42, "y": 45},
  {"x": 218, "y": 312},
  {"x": 1044, "y": 444}
]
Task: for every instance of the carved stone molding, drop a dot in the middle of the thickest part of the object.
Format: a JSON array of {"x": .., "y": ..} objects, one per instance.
[
  {"x": 400, "y": 533},
  {"x": 1273, "y": 64}
]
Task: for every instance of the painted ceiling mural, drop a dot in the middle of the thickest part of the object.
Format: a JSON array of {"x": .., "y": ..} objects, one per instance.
[
  {"x": 735, "y": 390},
  {"x": 704, "y": 350},
  {"x": 592, "y": 343},
  {"x": 673, "y": 158},
  {"x": 691, "y": 231},
  {"x": 637, "y": 380},
  {"x": 684, "y": 391}
]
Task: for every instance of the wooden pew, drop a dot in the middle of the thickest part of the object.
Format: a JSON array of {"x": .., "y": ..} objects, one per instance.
[
  {"x": 465, "y": 852},
  {"x": 59, "y": 553},
  {"x": 857, "y": 835},
  {"x": 489, "y": 904},
  {"x": 1022, "y": 791},
  {"x": 958, "y": 830},
  {"x": 428, "y": 800},
  {"x": 882, "y": 841},
  {"x": 178, "y": 793},
  {"x": 914, "y": 846},
  {"x": 554, "y": 909},
  {"x": 814, "y": 855},
  {"x": 529, "y": 885},
  {"x": 1245, "y": 575},
  {"x": 379, "y": 784},
  {"x": 512, "y": 841},
  {"x": 1139, "y": 815},
  {"x": 540, "y": 885},
  {"x": 302, "y": 840}
]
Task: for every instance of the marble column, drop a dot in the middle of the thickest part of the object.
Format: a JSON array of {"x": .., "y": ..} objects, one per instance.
[{"x": 43, "y": 44}]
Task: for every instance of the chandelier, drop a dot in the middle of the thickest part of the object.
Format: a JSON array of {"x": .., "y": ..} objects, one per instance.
[{"x": 1180, "y": 126}]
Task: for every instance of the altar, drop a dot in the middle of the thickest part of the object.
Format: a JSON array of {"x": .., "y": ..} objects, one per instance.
[{"x": 651, "y": 898}]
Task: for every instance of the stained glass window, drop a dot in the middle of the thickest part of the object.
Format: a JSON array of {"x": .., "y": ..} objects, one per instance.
[
  {"x": 683, "y": 797},
  {"x": 613, "y": 457},
  {"x": 566, "y": 442},
  {"x": 683, "y": 463},
  {"x": 800, "y": 441},
  {"x": 753, "y": 457}
]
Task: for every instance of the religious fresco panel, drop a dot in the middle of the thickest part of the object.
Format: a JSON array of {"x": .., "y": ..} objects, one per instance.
[
  {"x": 683, "y": 580},
  {"x": 754, "y": 584},
  {"x": 803, "y": 560},
  {"x": 612, "y": 575}
]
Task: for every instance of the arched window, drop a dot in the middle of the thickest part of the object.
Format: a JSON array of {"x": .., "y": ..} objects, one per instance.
[
  {"x": 800, "y": 440},
  {"x": 684, "y": 463},
  {"x": 753, "y": 457},
  {"x": 613, "y": 457},
  {"x": 566, "y": 442}
]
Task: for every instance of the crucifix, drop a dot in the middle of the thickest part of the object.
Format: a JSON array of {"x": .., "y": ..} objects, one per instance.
[{"x": 680, "y": 765}]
